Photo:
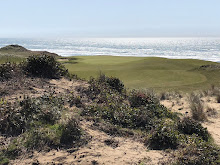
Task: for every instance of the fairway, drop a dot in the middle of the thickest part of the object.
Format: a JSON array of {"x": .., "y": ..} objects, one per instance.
[{"x": 147, "y": 72}]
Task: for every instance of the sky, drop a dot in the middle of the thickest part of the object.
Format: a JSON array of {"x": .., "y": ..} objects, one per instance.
[{"x": 109, "y": 18}]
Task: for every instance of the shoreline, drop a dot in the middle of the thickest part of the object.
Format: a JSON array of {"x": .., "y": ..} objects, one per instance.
[{"x": 207, "y": 49}]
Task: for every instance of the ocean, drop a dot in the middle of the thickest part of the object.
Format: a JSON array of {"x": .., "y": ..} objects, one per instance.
[{"x": 179, "y": 48}]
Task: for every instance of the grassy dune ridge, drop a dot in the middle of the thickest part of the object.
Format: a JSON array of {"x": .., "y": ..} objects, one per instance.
[
  {"x": 56, "y": 112},
  {"x": 147, "y": 72}
]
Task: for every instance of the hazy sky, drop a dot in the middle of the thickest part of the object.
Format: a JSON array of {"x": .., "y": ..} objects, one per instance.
[{"x": 109, "y": 18}]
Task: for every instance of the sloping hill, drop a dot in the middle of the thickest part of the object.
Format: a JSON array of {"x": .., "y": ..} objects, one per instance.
[{"x": 20, "y": 51}]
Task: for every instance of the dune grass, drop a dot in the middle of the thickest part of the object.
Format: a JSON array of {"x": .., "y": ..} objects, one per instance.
[
  {"x": 147, "y": 72},
  {"x": 14, "y": 59}
]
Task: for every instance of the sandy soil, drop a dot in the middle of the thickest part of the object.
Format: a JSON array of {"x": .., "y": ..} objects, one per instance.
[
  {"x": 181, "y": 105},
  {"x": 98, "y": 151},
  {"x": 103, "y": 148}
]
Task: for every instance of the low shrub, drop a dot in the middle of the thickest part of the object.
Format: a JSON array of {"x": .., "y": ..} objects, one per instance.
[
  {"x": 11, "y": 122},
  {"x": 17, "y": 118},
  {"x": 111, "y": 84},
  {"x": 197, "y": 153},
  {"x": 71, "y": 132},
  {"x": 10, "y": 151},
  {"x": 43, "y": 66},
  {"x": 137, "y": 110},
  {"x": 140, "y": 98},
  {"x": 13, "y": 150},
  {"x": 123, "y": 115},
  {"x": 100, "y": 92},
  {"x": 115, "y": 83},
  {"x": 3, "y": 160},
  {"x": 42, "y": 137},
  {"x": 6, "y": 71},
  {"x": 164, "y": 136},
  {"x": 75, "y": 100},
  {"x": 190, "y": 126},
  {"x": 120, "y": 115},
  {"x": 53, "y": 136}
]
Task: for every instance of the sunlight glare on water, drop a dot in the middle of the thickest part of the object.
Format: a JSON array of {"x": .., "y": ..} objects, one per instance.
[{"x": 180, "y": 48}]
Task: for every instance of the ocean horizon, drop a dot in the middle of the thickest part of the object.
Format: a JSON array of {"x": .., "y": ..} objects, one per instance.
[{"x": 177, "y": 48}]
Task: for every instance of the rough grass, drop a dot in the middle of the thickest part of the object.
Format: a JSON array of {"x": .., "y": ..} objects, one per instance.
[
  {"x": 12, "y": 59},
  {"x": 197, "y": 108},
  {"x": 147, "y": 72}
]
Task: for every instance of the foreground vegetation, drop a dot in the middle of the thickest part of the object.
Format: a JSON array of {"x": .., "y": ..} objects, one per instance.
[{"x": 46, "y": 122}]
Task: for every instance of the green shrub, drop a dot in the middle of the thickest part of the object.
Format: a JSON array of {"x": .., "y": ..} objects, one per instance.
[
  {"x": 13, "y": 150},
  {"x": 54, "y": 136},
  {"x": 120, "y": 115},
  {"x": 164, "y": 136},
  {"x": 71, "y": 132},
  {"x": 17, "y": 118},
  {"x": 41, "y": 138},
  {"x": 115, "y": 83},
  {"x": 105, "y": 84},
  {"x": 3, "y": 160},
  {"x": 6, "y": 71},
  {"x": 44, "y": 66},
  {"x": 123, "y": 115},
  {"x": 138, "y": 110},
  {"x": 138, "y": 98},
  {"x": 11, "y": 122},
  {"x": 100, "y": 92},
  {"x": 198, "y": 153},
  {"x": 75, "y": 100},
  {"x": 190, "y": 126}
]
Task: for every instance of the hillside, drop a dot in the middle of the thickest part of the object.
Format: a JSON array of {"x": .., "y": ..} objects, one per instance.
[
  {"x": 49, "y": 116},
  {"x": 19, "y": 51}
]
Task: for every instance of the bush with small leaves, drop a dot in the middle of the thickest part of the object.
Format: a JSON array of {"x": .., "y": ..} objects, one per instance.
[
  {"x": 164, "y": 136},
  {"x": 115, "y": 83},
  {"x": 42, "y": 137},
  {"x": 6, "y": 71},
  {"x": 71, "y": 132},
  {"x": 57, "y": 135},
  {"x": 17, "y": 118},
  {"x": 140, "y": 98},
  {"x": 197, "y": 152},
  {"x": 3, "y": 159},
  {"x": 75, "y": 100},
  {"x": 190, "y": 126},
  {"x": 44, "y": 66}
]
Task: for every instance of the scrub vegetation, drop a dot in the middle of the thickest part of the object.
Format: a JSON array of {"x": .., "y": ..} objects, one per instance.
[{"x": 54, "y": 120}]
